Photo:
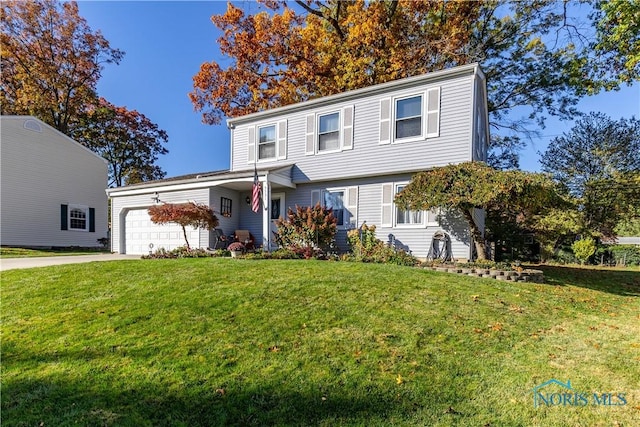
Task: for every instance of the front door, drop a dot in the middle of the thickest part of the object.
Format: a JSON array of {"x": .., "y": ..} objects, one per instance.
[{"x": 277, "y": 211}]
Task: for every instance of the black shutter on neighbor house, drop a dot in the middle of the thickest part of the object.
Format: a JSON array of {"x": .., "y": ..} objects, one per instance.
[
  {"x": 63, "y": 217},
  {"x": 92, "y": 220}
]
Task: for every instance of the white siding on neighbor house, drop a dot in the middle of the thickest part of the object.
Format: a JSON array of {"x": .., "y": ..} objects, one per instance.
[
  {"x": 40, "y": 171},
  {"x": 368, "y": 156}
]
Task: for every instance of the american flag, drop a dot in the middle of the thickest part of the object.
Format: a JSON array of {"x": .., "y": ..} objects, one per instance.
[{"x": 255, "y": 195}]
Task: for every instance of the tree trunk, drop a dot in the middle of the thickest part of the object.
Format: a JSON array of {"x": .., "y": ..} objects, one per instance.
[
  {"x": 476, "y": 234},
  {"x": 184, "y": 233}
]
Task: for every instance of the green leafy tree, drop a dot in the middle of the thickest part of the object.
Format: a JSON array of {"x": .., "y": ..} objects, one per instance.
[
  {"x": 617, "y": 41},
  {"x": 583, "y": 249},
  {"x": 468, "y": 186},
  {"x": 539, "y": 58},
  {"x": 185, "y": 215},
  {"x": 553, "y": 228},
  {"x": 51, "y": 64},
  {"x": 628, "y": 227},
  {"x": 597, "y": 162}
]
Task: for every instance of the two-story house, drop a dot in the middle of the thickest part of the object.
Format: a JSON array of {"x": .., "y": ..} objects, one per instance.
[{"x": 351, "y": 151}]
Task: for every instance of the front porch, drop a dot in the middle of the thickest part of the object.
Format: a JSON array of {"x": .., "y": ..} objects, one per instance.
[{"x": 228, "y": 193}]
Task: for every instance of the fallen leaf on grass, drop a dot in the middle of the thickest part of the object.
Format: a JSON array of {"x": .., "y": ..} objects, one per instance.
[
  {"x": 399, "y": 379},
  {"x": 496, "y": 327}
]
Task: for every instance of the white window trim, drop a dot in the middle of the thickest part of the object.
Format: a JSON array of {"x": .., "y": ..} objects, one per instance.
[
  {"x": 316, "y": 137},
  {"x": 395, "y": 210},
  {"x": 434, "y": 223},
  {"x": 345, "y": 224},
  {"x": 350, "y": 212},
  {"x": 424, "y": 131},
  {"x": 83, "y": 208},
  {"x": 275, "y": 143},
  {"x": 394, "y": 112}
]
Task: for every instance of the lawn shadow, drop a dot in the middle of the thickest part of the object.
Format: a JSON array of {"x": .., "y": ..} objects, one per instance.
[
  {"x": 618, "y": 282},
  {"x": 65, "y": 402}
]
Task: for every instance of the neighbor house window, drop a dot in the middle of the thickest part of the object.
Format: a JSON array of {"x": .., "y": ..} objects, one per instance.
[
  {"x": 329, "y": 132},
  {"x": 405, "y": 216},
  {"x": 225, "y": 207},
  {"x": 334, "y": 199},
  {"x": 267, "y": 143},
  {"x": 78, "y": 218}
]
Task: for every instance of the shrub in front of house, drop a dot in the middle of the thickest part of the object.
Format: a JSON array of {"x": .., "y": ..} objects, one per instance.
[
  {"x": 365, "y": 247},
  {"x": 236, "y": 247},
  {"x": 179, "y": 252},
  {"x": 308, "y": 231}
]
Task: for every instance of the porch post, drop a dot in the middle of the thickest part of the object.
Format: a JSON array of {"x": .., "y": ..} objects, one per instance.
[{"x": 266, "y": 217}]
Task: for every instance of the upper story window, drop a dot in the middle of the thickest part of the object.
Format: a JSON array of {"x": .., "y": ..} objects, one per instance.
[
  {"x": 329, "y": 132},
  {"x": 408, "y": 120},
  {"x": 267, "y": 142}
]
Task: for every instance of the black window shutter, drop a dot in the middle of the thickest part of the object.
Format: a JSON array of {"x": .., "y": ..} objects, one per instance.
[
  {"x": 92, "y": 220},
  {"x": 63, "y": 217}
]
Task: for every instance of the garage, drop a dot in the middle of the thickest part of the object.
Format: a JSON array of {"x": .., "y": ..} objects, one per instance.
[{"x": 140, "y": 232}]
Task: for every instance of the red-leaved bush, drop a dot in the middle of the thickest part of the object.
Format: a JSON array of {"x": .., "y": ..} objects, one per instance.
[{"x": 184, "y": 214}]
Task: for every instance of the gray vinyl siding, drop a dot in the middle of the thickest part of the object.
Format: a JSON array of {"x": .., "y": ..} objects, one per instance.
[
  {"x": 40, "y": 171},
  {"x": 227, "y": 225},
  {"x": 416, "y": 239},
  {"x": 368, "y": 156}
]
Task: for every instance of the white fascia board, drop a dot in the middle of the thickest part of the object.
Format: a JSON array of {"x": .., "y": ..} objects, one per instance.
[{"x": 174, "y": 187}]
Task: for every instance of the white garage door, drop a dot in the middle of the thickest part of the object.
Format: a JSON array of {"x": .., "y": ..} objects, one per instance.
[{"x": 140, "y": 232}]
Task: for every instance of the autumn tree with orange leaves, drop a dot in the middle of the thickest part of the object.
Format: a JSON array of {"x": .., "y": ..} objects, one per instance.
[
  {"x": 51, "y": 63},
  {"x": 537, "y": 56},
  {"x": 185, "y": 215}
]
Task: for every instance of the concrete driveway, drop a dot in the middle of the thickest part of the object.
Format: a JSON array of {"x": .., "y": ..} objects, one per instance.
[{"x": 13, "y": 263}]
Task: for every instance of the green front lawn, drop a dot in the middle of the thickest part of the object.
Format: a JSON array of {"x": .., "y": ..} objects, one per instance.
[
  {"x": 10, "y": 252},
  {"x": 238, "y": 342}
]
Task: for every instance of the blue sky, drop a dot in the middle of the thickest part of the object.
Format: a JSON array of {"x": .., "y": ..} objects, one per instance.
[{"x": 165, "y": 43}]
